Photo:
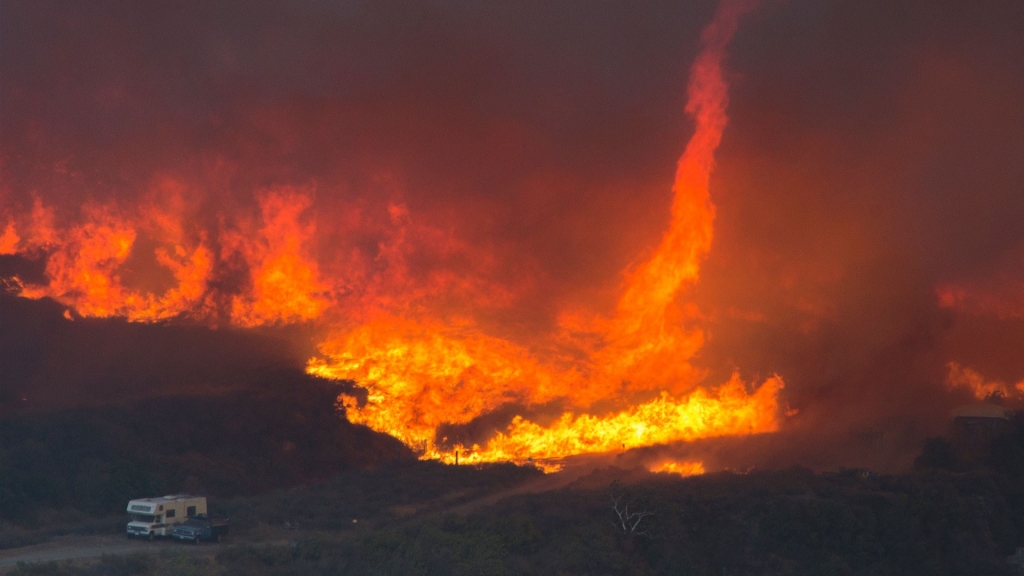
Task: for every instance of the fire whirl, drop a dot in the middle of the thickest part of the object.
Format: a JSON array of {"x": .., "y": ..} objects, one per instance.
[
  {"x": 411, "y": 335},
  {"x": 420, "y": 376}
]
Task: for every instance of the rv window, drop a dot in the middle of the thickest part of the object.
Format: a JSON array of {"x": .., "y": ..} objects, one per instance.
[
  {"x": 171, "y": 513},
  {"x": 190, "y": 511},
  {"x": 147, "y": 518}
]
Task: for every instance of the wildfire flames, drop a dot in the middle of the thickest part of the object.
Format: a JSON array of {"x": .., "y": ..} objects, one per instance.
[
  {"x": 620, "y": 378},
  {"x": 685, "y": 468},
  {"x": 420, "y": 377},
  {"x": 980, "y": 387}
]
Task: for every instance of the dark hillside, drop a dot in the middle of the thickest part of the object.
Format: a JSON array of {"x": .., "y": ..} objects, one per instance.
[
  {"x": 282, "y": 432},
  {"x": 51, "y": 361}
]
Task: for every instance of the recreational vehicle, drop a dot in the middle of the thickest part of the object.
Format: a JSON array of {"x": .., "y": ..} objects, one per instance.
[{"x": 154, "y": 517}]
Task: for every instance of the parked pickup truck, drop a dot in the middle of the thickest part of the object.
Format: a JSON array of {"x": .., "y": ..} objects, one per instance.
[{"x": 201, "y": 528}]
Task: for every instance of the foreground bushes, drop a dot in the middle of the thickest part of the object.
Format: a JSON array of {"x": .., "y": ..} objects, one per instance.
[
  {"x": 169, "y": 564},
  {"x": 787, "y": 522},
  {"x": 426, "y": 519}
]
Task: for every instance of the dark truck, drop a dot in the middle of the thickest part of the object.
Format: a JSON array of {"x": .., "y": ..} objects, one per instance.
[{"x": 201, "y": 528}]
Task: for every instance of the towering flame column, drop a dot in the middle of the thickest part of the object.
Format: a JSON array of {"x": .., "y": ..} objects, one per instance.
[
  {"x": 422, "y": 364},
  {"x": 419, "y": 373},
  {"x": 652, "y": 287},
  {"x": 645, "y": 336}
]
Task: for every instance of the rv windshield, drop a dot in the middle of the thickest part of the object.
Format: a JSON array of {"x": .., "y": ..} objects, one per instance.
[{"x": 146, "y": 518}]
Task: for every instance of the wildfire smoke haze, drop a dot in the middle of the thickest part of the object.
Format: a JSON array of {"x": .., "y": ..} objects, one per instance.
[
  {"x": 501, "y": 259},
  {"x": 421, "y": 370}
]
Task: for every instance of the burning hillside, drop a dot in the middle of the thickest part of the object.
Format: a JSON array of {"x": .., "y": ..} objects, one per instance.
[
  {"x": 421, "y": 369},
  {"x": 500, "y": 285}
]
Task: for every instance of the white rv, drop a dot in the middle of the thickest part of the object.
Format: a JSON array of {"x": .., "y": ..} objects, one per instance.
[{"x": 151, "y": 517}]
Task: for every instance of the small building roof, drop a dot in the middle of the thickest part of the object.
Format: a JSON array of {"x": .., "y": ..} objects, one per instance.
[{"x": 982, "y": 410}]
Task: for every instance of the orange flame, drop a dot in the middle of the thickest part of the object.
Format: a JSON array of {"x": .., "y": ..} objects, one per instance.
[
  {"x": 286, "y": 285},
  {"x": 621, "y": 380},
  {"x": 684, "y": 468},
  {"x": 979, "y": 386},
  {"x": 9, "y": 240},
  {"x": 729, "y": 411},
  {"x": 151, "y": 263},
  {"x": 420, "y": 375},
  {"x": 85, "y": 268}
]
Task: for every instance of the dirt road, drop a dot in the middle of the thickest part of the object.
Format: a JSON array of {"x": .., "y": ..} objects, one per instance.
[{"x": 83, "y": 547}]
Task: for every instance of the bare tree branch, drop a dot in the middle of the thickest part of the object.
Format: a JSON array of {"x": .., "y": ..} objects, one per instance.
[{"x": 628, "y": 515}]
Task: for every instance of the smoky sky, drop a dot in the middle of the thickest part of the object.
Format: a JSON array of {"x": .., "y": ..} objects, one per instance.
[{"x": 874, "y": 153}]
